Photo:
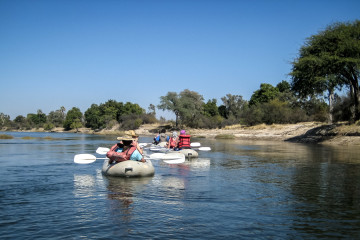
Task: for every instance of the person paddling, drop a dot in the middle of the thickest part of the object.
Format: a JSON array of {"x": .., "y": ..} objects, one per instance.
[
  {"x": 126, "y": 149},
  {"x": 173, "y": 141},
  {"x": 184, "y": 141}
]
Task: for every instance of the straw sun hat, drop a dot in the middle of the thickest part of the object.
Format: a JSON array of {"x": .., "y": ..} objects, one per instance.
[{"x": 128, "y": 135}]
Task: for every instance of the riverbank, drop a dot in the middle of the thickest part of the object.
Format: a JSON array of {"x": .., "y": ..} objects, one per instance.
[{"x": 307, "y": 132}]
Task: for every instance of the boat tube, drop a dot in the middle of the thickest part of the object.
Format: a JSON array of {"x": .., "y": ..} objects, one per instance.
[
  {"x": 128, "y": 168},
  {"x": 189, "y": 153}
]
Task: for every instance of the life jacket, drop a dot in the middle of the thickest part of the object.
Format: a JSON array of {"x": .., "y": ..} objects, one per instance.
[
  {"x": 184, "y": 141},
  {"x": 119, "y": 156},
  {"x": 157, "y": 139},
  {"x": 173, "y": 142}
]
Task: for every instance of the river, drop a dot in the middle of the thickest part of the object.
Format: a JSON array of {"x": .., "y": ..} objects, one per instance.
[{"x": 240, "y": 189}]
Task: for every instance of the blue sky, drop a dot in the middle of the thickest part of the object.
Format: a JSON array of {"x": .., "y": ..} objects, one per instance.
[{"x": 74, "y": 53}]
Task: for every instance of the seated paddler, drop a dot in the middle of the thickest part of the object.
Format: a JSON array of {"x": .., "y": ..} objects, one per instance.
[
  {"x": 184, "y": 140},
  {"x": 125, "y": 149}
]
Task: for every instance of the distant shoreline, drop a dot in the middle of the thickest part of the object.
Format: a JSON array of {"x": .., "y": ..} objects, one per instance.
[{"x": 307, "y": 132}]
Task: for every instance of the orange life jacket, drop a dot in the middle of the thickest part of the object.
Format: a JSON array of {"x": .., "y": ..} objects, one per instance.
[
  {"x": 172, "y": 142},
  {"x": 184, "y": 141},
  {"x": 119, "y": 156}
]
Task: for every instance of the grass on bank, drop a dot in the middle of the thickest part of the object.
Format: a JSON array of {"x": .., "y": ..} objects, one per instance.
[
  {"x": 5, "y": 136},
  {"x": 225, "y": 136}
]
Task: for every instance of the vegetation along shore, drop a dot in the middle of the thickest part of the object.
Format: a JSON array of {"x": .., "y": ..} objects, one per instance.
[{"x": 305, "y": 132}]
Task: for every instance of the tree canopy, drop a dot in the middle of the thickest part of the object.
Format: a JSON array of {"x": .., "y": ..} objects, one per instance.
[{"x": 329, "y": 60}]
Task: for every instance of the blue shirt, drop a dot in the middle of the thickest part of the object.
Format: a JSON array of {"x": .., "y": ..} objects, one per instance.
[{"x": 136, "y": 155}]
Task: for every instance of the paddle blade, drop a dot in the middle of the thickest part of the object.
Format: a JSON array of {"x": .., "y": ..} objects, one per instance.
[
  {"x": 173, "y": 158},
  {"x": 204, "y": 149},
  {"x": 143, "y": 144},
  {"x": 156, "y": 156},
  {"x": 195, "y": 144},
  {"x": 102, "y": 150},
  {"x": 84, "y": 158}
]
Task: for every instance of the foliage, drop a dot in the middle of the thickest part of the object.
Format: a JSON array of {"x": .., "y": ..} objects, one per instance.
[
  {"x": 187, "y": 106},
  {"x": 342, "y": 108},
  {"x": 57, "y": 117},
  {"x": 265, "y": 94},
  {"x": 191, "y": 107},
  {"x": 210, "y": 109},
  {"x": 171, "y": 102},
  {"x": 48, "y": 126},
  {"x": 233, "y": 105},
  {"x": 103, "y": 115},
  {"x": 330, "y": 60},
  {"x": 73, "y": 119},
  {"x": 4, "y": 120}
]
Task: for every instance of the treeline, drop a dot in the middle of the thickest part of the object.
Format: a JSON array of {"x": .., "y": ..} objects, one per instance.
[
  {"x": 97, "y": 117},
  {"x": 267, "y": 105}
]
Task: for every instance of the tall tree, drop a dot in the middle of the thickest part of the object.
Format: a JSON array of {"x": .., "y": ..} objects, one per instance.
[
  {"x": 191, "y": 107},
  {"x": 330, "y": 60},
  {"x": 171, "y": 103},
  {"x": 186, "y": 105}
]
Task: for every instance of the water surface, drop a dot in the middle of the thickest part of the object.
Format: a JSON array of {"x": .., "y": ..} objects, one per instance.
[{"x": 241, "y": 189}]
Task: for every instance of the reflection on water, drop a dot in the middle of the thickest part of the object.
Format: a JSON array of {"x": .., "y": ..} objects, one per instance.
[
  {"x": 124, "y": 190},
  {"x": 201, "y": 164}
]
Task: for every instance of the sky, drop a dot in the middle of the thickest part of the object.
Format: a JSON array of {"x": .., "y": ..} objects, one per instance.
[{"x": 75, "y": 53}]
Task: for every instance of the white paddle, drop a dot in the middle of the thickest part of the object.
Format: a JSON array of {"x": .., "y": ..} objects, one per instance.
[
  {"x": 169, "y": 158},
  {"x": 195, "y": 144},
  {"x": 85, "y": 158},
  {"x": 102, "y": 150}
]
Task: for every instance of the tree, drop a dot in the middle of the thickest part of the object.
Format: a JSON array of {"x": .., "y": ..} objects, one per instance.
[
  {"x": 170, "y": 102},
  {"x": 93, "y": 118},
  {"x": 265, "y": 94},
  {"x": 4, "y": 120},
  {"x": 73, "y": 119},
  {"x": 330, "y": 60},
  {"x": 232, "y": 107},
  {"x": 152, "y": 109},
  {"x": 210, "y": 108},
  {"x": 56, "y": 117},
  {"x": 191, "y": 104},
  {"x": 187, "y": 105},
  {"x": 41, "y": 117}
]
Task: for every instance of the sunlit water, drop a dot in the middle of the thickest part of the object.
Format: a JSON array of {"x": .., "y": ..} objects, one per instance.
[{"x": 241, "y": 190}]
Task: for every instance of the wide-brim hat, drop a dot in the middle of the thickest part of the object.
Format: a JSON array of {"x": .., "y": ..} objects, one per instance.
[
  {"x": 125, "y": 138},
  {"x": 131, "y": 133},
  {"x": 128, "y": 135}
]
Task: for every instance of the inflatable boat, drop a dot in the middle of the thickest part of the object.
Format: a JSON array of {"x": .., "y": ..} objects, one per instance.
[
  {"x": 189, "y": 153},
  {"x": 128, "y": 168}
]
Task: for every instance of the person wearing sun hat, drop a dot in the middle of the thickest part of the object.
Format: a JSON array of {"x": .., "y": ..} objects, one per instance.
[
  {"x": 135, "y": 139},
  {"x": 126, "y": 149}
]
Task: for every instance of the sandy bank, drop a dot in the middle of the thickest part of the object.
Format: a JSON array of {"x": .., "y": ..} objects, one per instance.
[{"x": 307, "y": 132}]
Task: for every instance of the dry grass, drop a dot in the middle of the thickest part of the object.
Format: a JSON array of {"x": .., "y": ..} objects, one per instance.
[{"x": 345, "y": 129}]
